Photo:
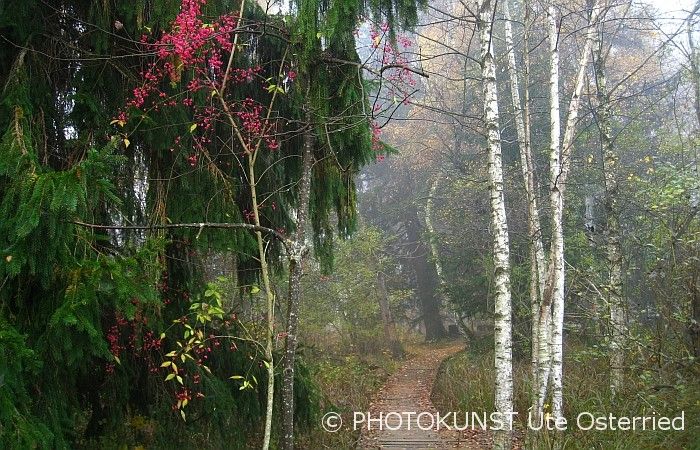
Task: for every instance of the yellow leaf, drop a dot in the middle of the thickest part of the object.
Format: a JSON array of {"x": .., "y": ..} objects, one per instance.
[
  {"x": 116, "y": 358},
  {"x": 126, "y": 142},
  {"x": 193, "y": 127},
  {"x": 182, "y": 413},
  {"x": 8, "y": 258},
  {"x": 254, "y": 290},
  {"x": 179, "y": 379},
  {"x": 170, "y": 377},
  {"x": 162, "y": 335},
  {"x": 166, "y": 364}
]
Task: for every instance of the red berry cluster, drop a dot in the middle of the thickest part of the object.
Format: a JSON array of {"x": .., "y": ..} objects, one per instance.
[
  {"x": 132, "y": 335},
  {"x": 202, "y": 49}
]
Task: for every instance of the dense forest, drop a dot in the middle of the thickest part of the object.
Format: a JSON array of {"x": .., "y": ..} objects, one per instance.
[{"x": 258, "y": 224}]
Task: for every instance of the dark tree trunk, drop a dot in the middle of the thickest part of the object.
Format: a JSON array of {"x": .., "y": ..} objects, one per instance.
[
  {"x": 296, "y": 259},
  {"x": 426, "y": 278}
]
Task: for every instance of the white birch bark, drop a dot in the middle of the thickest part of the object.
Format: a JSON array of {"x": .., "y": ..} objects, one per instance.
[
  {"x": 522, "y": 125},
  {"x": 550, "y": 330},
  {"x": 431, "y": 229},
  {"x": 560, "y": 162},
  {"x": 502, "y": 320},
  {"x": 616, "y": 300}
]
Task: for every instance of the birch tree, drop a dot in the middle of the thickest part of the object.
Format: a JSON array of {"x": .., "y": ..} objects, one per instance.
[
  {"x": 502, "y": 319},
  {"x": 550, "y": 333},
  {"x": 521, "y": 113},
  {"x": 613, "y": 238},
  {"x": 551, "y": 329}
]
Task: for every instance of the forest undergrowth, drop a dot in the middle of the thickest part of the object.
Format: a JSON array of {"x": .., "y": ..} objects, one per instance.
[{"x": 464, "y": 384}]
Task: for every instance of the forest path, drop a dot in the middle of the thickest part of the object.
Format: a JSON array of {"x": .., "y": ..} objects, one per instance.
[{"x": 408, "y": 391}]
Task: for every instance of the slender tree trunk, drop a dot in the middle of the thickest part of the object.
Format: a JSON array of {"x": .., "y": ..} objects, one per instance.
[
  {"x": 431, "y": 229},
  {"x": 502, "y": 319},
  {"x": 270, "y": 303},
  {"x": 616, "y": 300},
  {"x": 694, "y": 69},
  {"x": 694, "y": 326},
  {"x": 522, "y": 125},
  {"x": 554, "y": 290},
  {"x": 557, "y": 207},
  {"x": 387, "y": 320},
  {"x": 560, "y": 162},
  {"x": 435, "y": 248},
  {"x": 296, "y": 259}
]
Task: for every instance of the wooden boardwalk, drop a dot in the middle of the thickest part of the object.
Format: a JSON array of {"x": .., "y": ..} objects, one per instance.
[{"x": 408, "y": 391}]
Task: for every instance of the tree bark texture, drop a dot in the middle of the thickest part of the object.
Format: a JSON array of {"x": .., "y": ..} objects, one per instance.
[{"x": 502, "y": 317}]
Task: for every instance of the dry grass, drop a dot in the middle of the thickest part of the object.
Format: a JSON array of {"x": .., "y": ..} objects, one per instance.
[{"x": 465, "y": 383}]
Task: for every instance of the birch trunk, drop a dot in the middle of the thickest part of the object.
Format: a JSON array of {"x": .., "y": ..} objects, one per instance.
[
  {"x": 616, "y": 300},
  {"x": 502, "y": 319},
  {"x": 560, "y": 162},
  {"x": 434, "y": 248},
  {"x": 296, "y": 260},
  {"x": 431, "y": 229},
  {"x": 554, "y": 291},
  {"x": 522, "y": 126}
]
